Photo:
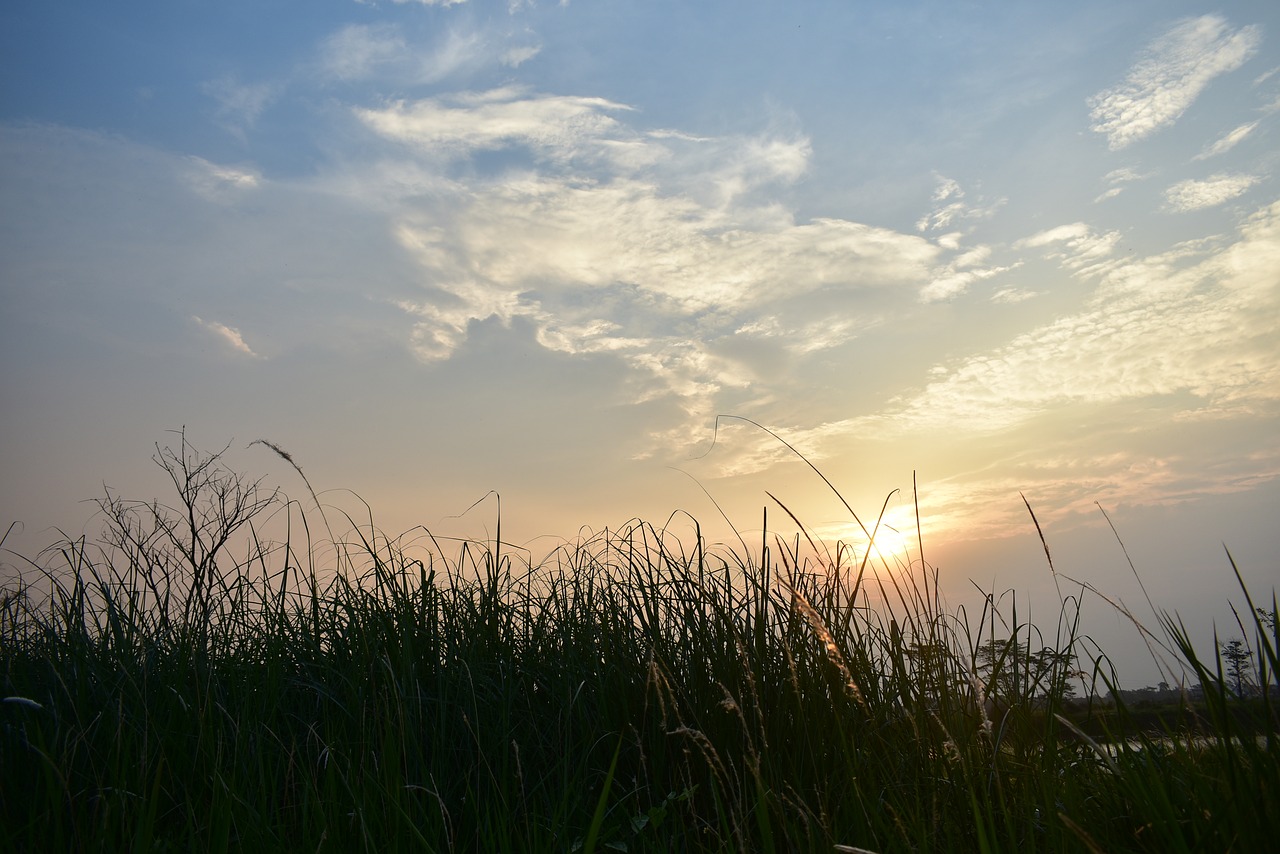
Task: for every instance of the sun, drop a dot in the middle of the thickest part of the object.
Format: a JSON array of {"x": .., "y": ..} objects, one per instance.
[
  {"x": 895, "y": 536},
  {"x": 891, "y": 541}
]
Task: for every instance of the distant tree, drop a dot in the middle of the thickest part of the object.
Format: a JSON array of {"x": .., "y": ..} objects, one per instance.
[
  {"x": 1001, "y": 664},
  {"x": 937, "y": 671},
  {"x": 930, "y": 660},
  {"x": 1267, "y": 618},
  {"x": 1012, "y": 671},
  {"x": 1237, "y": 657},
  {"x": 1052, "y": 670}
]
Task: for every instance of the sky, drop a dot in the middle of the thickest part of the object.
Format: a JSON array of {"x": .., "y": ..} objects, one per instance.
[{"x": 955, "y": 254}]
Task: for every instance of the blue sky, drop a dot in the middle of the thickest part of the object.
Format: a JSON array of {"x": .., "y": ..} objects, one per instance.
[{"x": 434, "y": 249}]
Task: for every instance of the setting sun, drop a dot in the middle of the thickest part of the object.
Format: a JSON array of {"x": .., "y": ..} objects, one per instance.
[{"x": 895, "y": 537}]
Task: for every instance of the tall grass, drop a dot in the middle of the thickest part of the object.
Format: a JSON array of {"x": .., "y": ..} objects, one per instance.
[{"x": 187, "y": 683}]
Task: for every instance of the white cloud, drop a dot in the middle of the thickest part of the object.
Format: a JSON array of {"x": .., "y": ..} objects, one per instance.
[
  {"x": 461, "y": 123},
  {"x": 227, "y": 335},
  {"x": 1173, "y": 71},
  {"x": 1077, "y": 247},
  {"x": 950, "y": 207},
  {"x": 220, "y": 183},
  {"x": 950, "y": 240},
  {"x": 634, "y": 264},
  {"x": 649, "y": 246},
  {"x": 559, "y": 129},
  {"x": 1192, "y": 195},
  {"x": 1227, "y": 142},
  {"x": 962, "y": 271},
  {"x": 1072, "y": 232},
  {"x": 1117, "y": 178},
  {"x": 973, "y": 257},
  {"x": 1123, "y": 176},
  {"x": 949, "y": 285},
  {"x": 1010, "y": 296},
  {"x": 955, "y": 282},
  {"x": 517, "y": 56},
  {"x": 947, "y": 188},
  {"x": 1156, "y": 327}
]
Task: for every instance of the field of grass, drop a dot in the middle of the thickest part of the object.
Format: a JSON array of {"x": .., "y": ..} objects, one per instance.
[{"x": 188, "y": 683}]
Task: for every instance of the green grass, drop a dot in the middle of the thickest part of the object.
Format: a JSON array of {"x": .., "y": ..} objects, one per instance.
[{"x": 187, "y": 683}]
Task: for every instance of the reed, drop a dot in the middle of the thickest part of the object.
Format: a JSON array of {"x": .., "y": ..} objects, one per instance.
[{"x": 188, "y": 682}]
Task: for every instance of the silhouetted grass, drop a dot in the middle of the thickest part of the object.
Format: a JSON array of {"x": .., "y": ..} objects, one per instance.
[{"x": 188, "y": 684}]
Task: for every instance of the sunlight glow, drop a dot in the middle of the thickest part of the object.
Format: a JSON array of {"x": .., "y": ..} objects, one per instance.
[{"x": 895, "y": 538}]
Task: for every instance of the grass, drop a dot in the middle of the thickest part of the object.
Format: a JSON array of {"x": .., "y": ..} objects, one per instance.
[{"x": 187, "y": 683}]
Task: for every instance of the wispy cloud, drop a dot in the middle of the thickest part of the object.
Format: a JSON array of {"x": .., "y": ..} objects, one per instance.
[
  {"x": 966, "y": 268},
  {"x": 953, "y": 281},
  {"x": 358, "y": 51},
  {"x": 459, "y": 124},
  {"x": 517, "y": 56},
  {"x": 220, "y": 183},
  {"x": 1077, "y": 247},
  {"x": 240, "y": 104},
  {"x": 1192, "y": 195},
  {"x": 1118, "y": 178},
  {"x": 392, "y": 54},
  {"x": 950, "y": 207},
  {"x": 655, "y": 268},
  {"x": 1153, "y": 327},
  {"x": 1227, "y": 142},
  {"x": 651, "y": 247},
  {"x": 1010, "y": 296},
  {"x": 227, "y": 335},
  {"x": 1173, "y": 71}
]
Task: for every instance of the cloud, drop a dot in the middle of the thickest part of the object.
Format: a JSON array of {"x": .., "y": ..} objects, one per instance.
[
  {"x": 1192, "y": 195},
  {"x": 228, "y": 336},
  {"x": 220, "y": 183},
  {"x": 1172, "y": 72},
  {"x": 357, "y": 51},
  {"x": 950, "y": 207},
  {"x": 1077, "y": 247},
  {"x": 636, "y": 266},
  {"x": 389, "y": 53},
  {"x": 955, "y": 278},
  {"x": 1227, "y": 142},
  {"x": 1154, "y": 328},
  {"x": 652, "y": 247},
  {"x": 953, "y": 282},
  {"x": 1072, "y": 232},
  {"x": 240, "y": 104},
  {"x": 1010, "y": 296},
  {"x": 517, "y": 56},
  {"x": 1117, "y": 178},
  {"x": 460, "y": 124}
]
